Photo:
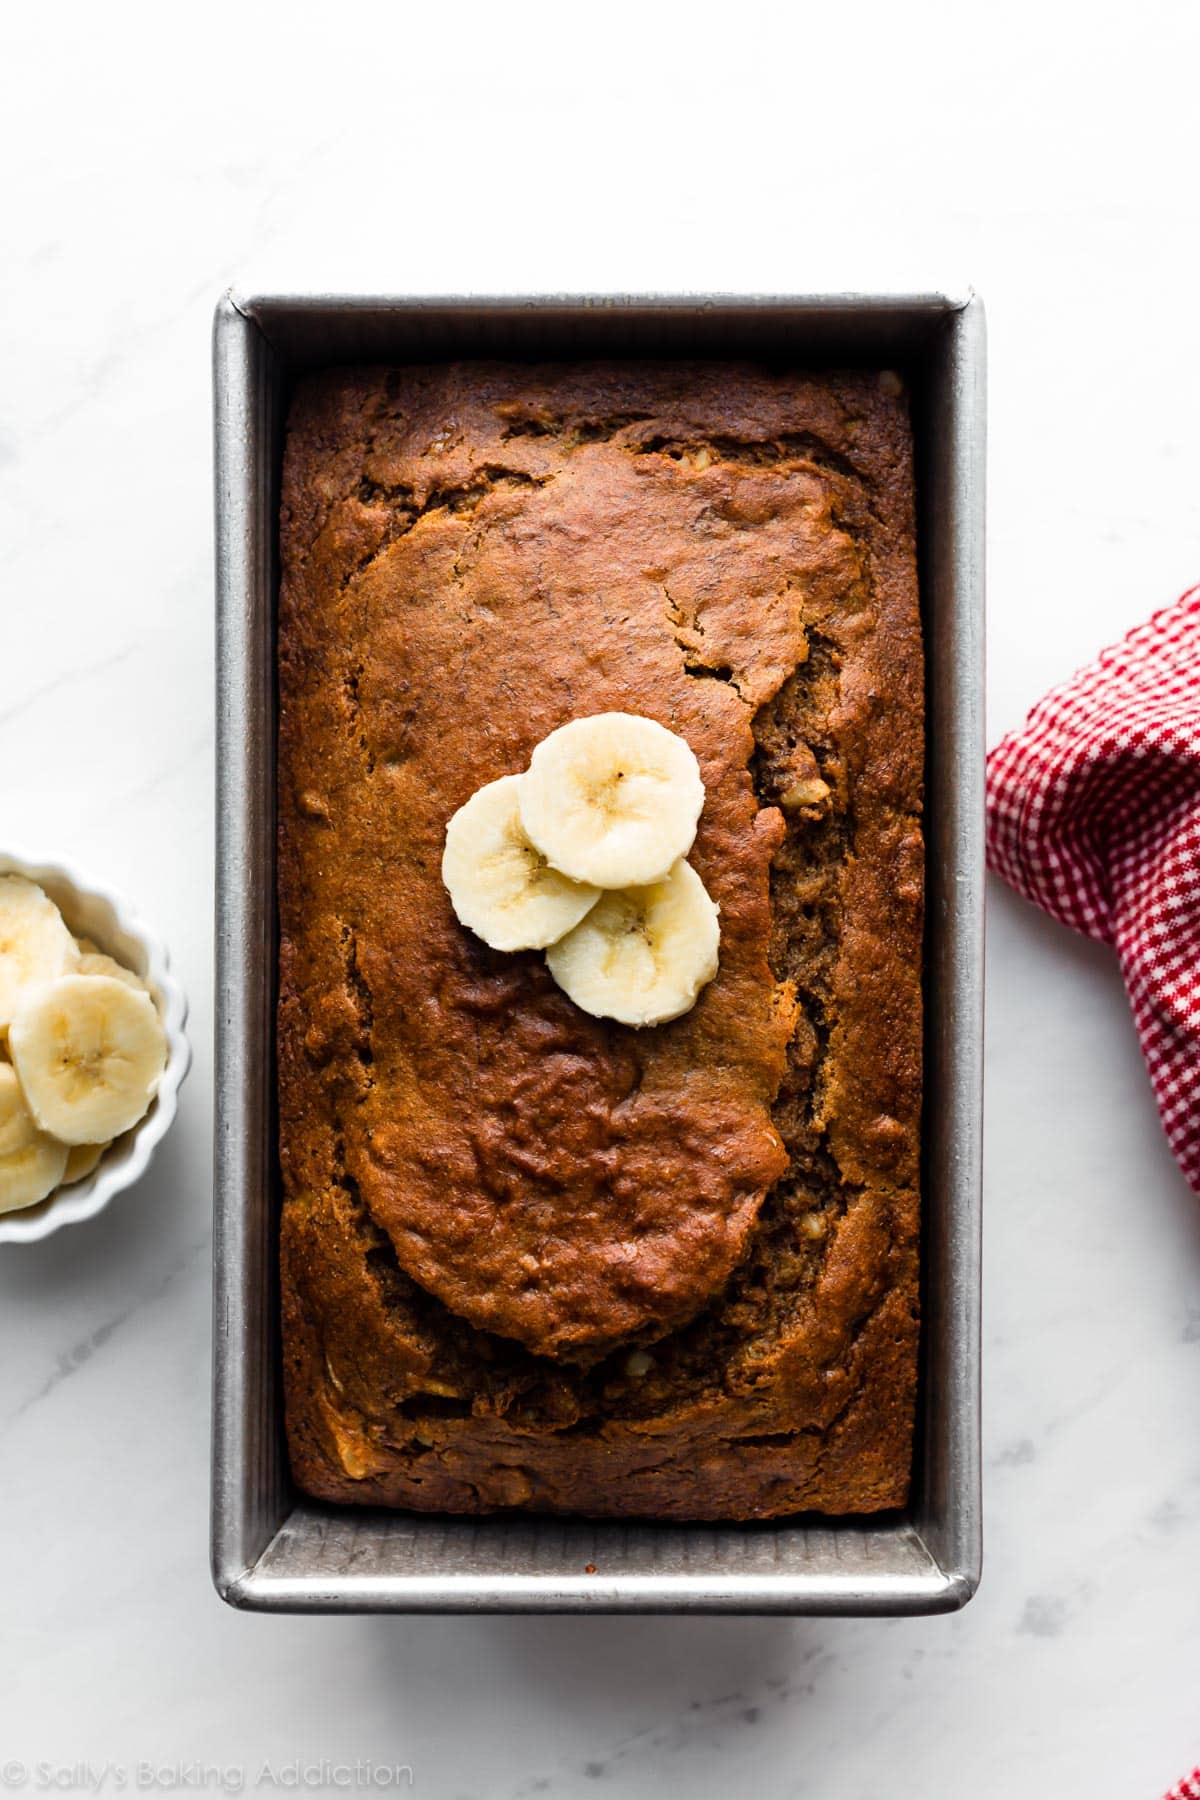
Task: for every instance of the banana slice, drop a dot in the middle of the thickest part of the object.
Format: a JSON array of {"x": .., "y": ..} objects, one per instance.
[
  {"x": 35, "y": 945},
  {"x": 612, "y": 800},
  {"x": 95, "y": 962},
  {"x": 81, "y": 1160},
  {"x": 90, "y": 1053},
  {"x": 642, "y": 954},
  {"x": 500, "y": 887},
  {"x": 31, "y": 1164}
]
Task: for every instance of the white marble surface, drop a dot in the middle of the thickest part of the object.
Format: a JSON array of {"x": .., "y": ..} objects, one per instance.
[{"x": 1046, "y": 154}]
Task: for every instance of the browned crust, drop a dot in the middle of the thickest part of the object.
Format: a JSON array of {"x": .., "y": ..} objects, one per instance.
[{"x": 783, "y": 1334}]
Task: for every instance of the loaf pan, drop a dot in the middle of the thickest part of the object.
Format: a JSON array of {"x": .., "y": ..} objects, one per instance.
[{"x": 272, "y": 1548}]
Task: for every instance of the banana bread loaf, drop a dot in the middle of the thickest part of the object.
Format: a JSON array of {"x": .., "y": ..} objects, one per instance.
[{"x": 532, "y": 1258}]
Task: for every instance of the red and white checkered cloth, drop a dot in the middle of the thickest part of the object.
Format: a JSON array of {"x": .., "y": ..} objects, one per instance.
[
  {"x": 1094, "y": 814},
  {"x": 1187, "y": 1789}
]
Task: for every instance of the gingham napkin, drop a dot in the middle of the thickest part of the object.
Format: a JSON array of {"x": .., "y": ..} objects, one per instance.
[
  {"x": 1094, "y": 814},
  {"x": 1187, "y": 1789}
]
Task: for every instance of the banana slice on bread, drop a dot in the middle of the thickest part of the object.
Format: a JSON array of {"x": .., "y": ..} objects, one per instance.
[
  {"x": 642, "y": 954},
  {"x": 613, "y": 799},
  {"x": 500, "y": 887},
  {"x": 583, "y": 856}
]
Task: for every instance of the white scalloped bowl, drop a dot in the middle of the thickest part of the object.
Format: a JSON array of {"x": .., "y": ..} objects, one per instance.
[{"x": 97, "y": 913}]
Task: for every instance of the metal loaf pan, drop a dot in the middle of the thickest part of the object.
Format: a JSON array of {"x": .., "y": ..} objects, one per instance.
[{"x": 273, "y": 1549}]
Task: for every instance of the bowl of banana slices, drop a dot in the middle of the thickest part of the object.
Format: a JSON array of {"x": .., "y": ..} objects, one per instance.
[{"x": 92, "y": 1047}]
